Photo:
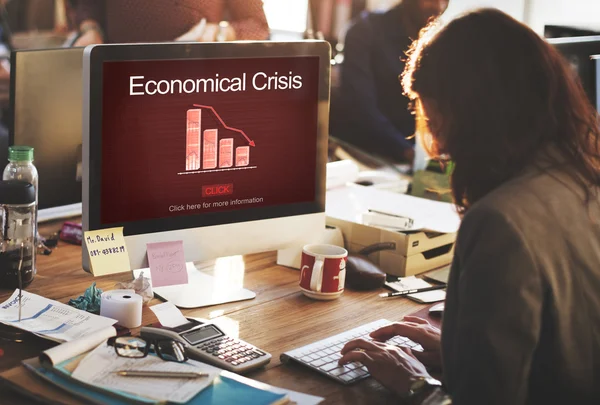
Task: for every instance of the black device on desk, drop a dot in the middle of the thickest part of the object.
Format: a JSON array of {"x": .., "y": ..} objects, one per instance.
[{"x": 206, "y": 342}]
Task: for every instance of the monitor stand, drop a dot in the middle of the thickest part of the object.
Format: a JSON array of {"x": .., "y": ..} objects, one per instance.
[{"x": 204, "y": 289}]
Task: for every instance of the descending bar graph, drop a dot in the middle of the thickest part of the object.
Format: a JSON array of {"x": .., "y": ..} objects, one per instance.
[{"x": 204, "y": 150}]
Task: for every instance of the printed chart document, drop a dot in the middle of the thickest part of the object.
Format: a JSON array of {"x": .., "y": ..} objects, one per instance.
[
  {"x": 99, "y": 366},
  {"x": 51, "y": 319}
]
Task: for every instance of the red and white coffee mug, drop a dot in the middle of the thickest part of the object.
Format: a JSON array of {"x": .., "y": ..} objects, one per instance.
[{"x": 323, "y": 271}]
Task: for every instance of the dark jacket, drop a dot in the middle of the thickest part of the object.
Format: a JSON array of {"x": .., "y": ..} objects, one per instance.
[
  {"x": 522, "y": 318},
  {"x": 369, "y": 109}
]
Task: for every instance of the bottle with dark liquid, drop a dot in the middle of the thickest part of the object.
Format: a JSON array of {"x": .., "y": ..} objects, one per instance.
[{"x": 17, "y": 234}]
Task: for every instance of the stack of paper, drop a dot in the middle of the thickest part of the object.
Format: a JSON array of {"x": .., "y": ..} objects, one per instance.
[{"x": 51, "y": 319}]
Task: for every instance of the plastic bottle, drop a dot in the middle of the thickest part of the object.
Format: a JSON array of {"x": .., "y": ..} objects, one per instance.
[{"x": 20, "y": 167}]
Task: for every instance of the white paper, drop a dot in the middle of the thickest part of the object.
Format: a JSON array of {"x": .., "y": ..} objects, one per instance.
[
  {"x": 299, "y": 398},
  {"x": 341, "y": 172},
  {"x": 51, "y": 319},
  {"x": 407, "y": 283},
  {"x": 427, "y": 297},
  {"x": 168, "y": 315},
  {"x": 351, "y": 202},
  {"x": 99, "y": 366},
  {"x": 68, "y": 350}
]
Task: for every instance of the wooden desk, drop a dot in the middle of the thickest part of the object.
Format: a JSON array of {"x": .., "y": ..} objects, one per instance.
[{"x": 280, "y": 318}]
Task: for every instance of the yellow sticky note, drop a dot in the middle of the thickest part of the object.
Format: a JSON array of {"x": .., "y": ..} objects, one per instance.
[{"x": 108, "y": 251}]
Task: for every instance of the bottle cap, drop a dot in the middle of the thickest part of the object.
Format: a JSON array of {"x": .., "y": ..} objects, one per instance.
[
  {"x": 20, "y": 153},
  {"x": 16, "y": 192}
]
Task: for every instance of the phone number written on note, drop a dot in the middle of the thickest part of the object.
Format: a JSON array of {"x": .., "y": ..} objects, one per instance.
[{"x": 107, "y": 251}]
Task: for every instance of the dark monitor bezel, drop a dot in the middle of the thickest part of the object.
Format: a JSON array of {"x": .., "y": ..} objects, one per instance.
[
  {"x": 19, "y": 59},
  {"x": 95, "y": 56},
  {"x": 585, "y": 47},
  {"x": 596, "y": 60}
]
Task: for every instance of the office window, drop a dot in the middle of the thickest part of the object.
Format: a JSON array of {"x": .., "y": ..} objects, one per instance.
[{"x": 286, "y": 15}]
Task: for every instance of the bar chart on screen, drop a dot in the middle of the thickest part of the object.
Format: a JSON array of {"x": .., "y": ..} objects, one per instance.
[{"x": 210, "y": 149}]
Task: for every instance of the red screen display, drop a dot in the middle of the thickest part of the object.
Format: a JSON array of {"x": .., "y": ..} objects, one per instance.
[{"x": 186, "y": 137}]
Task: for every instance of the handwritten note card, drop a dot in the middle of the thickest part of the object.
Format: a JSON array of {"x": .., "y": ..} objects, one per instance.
[
  {"x": 107, "y": 250},
  {"x": 167, "y": 263}
]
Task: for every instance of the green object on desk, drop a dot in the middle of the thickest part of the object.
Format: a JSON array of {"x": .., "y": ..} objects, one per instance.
[
  {"x": 89, "y": 301},
  {"x": 431, "y": 185}
]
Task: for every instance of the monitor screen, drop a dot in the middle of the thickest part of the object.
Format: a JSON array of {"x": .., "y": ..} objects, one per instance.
[
  {"x": 596, "y": 59},
  {"x": 46, "y": 106},
  {"x": 192, "y": 137}
]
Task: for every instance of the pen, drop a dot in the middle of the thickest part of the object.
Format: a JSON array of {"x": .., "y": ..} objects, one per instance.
[
  {"x": 389, "y": 214},
  {"x": 20, "y": 277},
  {"x": 160, "y": 374},
  {"x": 415, "y": 290}
]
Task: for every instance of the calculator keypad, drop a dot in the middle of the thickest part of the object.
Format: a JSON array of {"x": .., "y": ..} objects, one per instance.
[{"x": 231, "y": 350}]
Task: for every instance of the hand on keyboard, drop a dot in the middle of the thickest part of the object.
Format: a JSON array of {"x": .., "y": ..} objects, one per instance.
[
  {"x": 323, "y": 355},
  {"x": 419, "y": 331},
  {"x": 391, "y": 365}
]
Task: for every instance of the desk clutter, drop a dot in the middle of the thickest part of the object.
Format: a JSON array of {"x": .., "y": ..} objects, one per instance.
[{"x": 185, "y": 363}]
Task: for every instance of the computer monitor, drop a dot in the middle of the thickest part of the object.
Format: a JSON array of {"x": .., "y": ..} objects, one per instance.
[
  {"x": 596, "y": 59},
  {"x": 220, "y": 145},
  {"x": 46, "y": 114},
  {"x": 578, "y": 52},
  {"x": 561, "y": 31}
]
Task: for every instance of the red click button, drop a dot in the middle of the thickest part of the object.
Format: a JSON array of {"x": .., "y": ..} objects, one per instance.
[{"x": 217, "y": 190}]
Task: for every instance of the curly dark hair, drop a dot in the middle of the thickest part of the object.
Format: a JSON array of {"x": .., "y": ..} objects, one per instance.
[{"x": 503, "y": 95}]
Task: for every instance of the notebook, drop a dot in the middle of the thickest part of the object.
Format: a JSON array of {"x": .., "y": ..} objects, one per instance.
[{"x": 227, "y": 388}]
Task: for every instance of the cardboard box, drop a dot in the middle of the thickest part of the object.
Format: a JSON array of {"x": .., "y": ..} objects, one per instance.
[
  {"x": 431, "y": 245},
  {"x": 415, "y": 252}
]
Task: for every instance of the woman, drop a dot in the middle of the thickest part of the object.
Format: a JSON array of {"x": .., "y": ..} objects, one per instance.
[{"x": 522, "y": 318}]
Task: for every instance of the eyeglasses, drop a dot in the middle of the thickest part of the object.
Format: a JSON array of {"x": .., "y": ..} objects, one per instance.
[{"x": 135, "y": 347}]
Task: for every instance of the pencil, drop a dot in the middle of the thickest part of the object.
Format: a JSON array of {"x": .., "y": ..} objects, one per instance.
[{"x": 414, "y": 290}]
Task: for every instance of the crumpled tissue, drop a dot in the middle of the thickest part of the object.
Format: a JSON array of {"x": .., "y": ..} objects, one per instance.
[
  {"x": 89, "y": 301},
  {"x": 141, "y": 285}
]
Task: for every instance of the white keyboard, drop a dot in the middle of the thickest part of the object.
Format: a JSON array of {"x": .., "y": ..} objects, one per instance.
[{"x": 323, "y": 355}]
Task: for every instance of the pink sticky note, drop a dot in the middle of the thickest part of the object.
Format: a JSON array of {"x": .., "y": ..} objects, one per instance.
[{"x": 167, "y": 263}]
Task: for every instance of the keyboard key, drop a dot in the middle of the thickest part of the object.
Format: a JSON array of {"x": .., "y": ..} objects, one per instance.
[
  {"x": 329, "y": 366},
  {"x": 346, "y": 377},
  {"x": 317, "y": 363},
  {"x": 361, "y": 372},
  {"x": 339, "y": 370}
]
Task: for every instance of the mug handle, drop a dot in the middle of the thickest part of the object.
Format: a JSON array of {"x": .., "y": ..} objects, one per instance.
[{"x": 316, "y": 278}]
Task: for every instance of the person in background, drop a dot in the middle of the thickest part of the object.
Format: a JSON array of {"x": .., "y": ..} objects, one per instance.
[
  {"x": 130, "y": 21},
  {"x": 521, "y": 323},
  {"x": 370, "y": 110}
]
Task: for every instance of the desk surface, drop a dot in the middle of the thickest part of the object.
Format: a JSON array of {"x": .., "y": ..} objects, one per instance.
[{"x": 280, "y": 318}]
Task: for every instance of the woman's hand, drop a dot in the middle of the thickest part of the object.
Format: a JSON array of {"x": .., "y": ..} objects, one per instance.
[
  {"x": 420, "y": 331},
  {"x": 394, "y": 367}
]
